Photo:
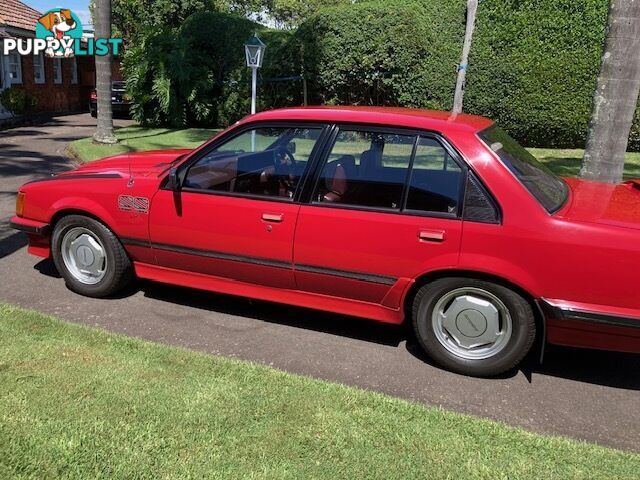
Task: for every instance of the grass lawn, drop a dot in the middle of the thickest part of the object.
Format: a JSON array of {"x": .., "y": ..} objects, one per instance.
[
  {"x": 137, "y": 138},
  {"x": 81, "y": 403},
  {"x": 565, "y": 162}
]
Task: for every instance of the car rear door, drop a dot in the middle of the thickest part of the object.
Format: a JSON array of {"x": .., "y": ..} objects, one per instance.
[
  {"x": 385, "y": 207},
  {"x": 236, "y": 212}
]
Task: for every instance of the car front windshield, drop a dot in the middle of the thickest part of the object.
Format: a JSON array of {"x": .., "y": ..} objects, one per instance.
[{"x": 548, "y": 189}]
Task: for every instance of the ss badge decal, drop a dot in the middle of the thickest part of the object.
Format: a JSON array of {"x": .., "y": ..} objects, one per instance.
[{"x": 128, "y": 203}]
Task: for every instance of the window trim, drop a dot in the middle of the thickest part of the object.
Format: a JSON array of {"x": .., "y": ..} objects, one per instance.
[
  {"x": 488, "y": 195},
  {"x": 19, "y": 80},
  {"x": 393, "y": 130},
  {"x": 41, "y": 69},
  {"x": 57, "y": 75},
  {"x": 551, "y": 212},
  {"x": 321, "y": 150},
  {"x": 74, "y": 70},
  {"x": 464, "y": 170},
  {"x": 185, "y": 166}
]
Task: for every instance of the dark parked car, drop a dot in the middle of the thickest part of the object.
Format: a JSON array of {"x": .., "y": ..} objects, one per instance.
[{"x": 119, "y": 100}]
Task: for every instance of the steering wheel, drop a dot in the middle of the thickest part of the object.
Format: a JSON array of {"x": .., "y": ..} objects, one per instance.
[{"x": 282, "y": 152}]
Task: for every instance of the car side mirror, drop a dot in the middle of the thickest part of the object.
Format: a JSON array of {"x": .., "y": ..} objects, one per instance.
[
  {"x": 291, "y": 147},
  {"x": 173, "y": 182}
]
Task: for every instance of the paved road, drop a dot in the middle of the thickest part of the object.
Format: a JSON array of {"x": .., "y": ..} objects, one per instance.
[{"x": 583, "y": 394}]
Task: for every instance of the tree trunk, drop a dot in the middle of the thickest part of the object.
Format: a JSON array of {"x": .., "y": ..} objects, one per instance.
[
  {"x": 616, "y": 95},
  {"x": 104, "y": 131},
  {"x": 472, "y": 6}
]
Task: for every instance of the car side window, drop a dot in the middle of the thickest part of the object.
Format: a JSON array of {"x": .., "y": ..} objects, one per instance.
[
  {"x": 436, "y": 179},
  {"x": 264, "y": 161},
  {"x": 366, "y": 168}
]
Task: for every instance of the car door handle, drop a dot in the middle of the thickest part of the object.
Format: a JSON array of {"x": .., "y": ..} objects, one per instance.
[
  {"x": 431, "y": 235},
  {"x": 272, "y": 217}
]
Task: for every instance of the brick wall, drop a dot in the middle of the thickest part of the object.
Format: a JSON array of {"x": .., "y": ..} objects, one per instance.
[
  {"x": 65, "y": 96},
  {"x": 53, "y": 97}
]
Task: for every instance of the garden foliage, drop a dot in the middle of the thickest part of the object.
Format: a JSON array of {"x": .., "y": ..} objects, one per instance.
[
  {"x": 17, "y": 101},
  {"x": 533, "y": 64}
]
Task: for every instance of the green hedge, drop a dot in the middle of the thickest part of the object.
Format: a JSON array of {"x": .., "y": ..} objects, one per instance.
[
  {"x": 383, "y": 53},
  {"x": 533, "y": 67}
]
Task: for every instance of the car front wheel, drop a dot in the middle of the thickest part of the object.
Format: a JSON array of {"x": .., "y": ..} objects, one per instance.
[
  {"x": 473, "y": 327},
  {"x": 89, "y": 257}
]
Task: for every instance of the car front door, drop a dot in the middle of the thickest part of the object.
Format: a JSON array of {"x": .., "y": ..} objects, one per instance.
[
  {"x": 385, "y": 208},
  {"x": 235, "y": 213}
]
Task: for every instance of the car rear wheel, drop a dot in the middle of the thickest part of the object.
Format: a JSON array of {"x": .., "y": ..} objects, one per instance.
[
  {"x": 473, "y": 327},
  {"x": 89, "y": 257}
]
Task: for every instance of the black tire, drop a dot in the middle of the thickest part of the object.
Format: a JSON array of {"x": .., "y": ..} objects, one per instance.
[
  {"x": 118, "y": 273},
  {"x": 522, "y": 334}
]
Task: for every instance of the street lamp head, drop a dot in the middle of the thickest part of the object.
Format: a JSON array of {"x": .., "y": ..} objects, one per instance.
[{"x": 254, "y": 51}]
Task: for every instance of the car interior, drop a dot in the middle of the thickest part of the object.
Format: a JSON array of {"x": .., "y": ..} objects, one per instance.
[
  {"x": 273, "y": 171},
  {"x": 369, "y": 182},
  {"x": 364, "y": 179}
]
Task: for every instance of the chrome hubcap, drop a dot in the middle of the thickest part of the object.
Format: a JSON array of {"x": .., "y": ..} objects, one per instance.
[
  {"x": 472, "y": 323},
  {"x": 84, "y": 255}
]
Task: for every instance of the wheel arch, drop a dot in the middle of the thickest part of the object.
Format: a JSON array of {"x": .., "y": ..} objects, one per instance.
[
  {"x": 489, "y": 277},
  {"x": 66, "y": 211}
]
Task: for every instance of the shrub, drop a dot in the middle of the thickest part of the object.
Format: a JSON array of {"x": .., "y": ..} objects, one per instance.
[
  {"x": 186, "y": 77},
  {"x": 17, "y": 101},
  {"x": 533, "y": 63},
  {"x": 533, "y": 67},
  {"x": 196, "y": 75},
  {"x": 383, "y": 53}
]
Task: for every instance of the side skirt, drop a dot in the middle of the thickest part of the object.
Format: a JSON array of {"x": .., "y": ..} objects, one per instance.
[{"x": 291, "y": 297}]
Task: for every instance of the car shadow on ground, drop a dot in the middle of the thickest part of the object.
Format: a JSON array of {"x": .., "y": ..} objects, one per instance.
[
  {"x": 11, "y": 243},
  {"x": 612, "y": 369}
]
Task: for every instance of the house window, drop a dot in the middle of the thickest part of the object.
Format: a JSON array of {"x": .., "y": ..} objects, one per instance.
[
  {"x": 38, "y": 68},
  {"x": 74, "y": 71},
  {"x": 57, "y": 70},
  {"x": 14, "y": 68}
]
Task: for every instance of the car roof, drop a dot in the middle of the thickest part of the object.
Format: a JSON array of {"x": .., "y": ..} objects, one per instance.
[{"x": 388, "y": 116}]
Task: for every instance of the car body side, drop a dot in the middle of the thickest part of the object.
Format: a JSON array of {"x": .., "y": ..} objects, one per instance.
[{"x": 581, "y": 275}]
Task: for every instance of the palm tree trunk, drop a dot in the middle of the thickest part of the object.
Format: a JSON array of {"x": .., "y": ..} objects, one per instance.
[
  {"x": 104, "y": 131},
  {"x": 472, "y": 6},
  {"x": 616, "y": 95}
]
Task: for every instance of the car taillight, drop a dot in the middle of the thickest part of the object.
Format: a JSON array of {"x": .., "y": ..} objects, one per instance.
[
  {"x": 94, "y": 95},
  {"x": 20, "y": 204}
]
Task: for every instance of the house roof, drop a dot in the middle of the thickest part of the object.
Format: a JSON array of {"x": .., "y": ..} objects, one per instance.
[{"x": 17, "y": 14}]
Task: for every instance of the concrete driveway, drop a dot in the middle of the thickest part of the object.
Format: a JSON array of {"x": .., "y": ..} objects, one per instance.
[{"x": 583, "y": 394}]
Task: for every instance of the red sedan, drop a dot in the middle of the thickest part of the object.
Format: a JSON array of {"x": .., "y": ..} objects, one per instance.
[{"x": 388, "y": 214}]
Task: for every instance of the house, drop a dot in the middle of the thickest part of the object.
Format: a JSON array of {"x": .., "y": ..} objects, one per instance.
[{"x": 59, "y": 84}]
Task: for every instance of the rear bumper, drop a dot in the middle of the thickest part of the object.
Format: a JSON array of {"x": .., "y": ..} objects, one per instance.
[
  {"x": 590, "y": 326},
  {"x": 37, "y": 233},
  {"x": 115, "y": 107}
]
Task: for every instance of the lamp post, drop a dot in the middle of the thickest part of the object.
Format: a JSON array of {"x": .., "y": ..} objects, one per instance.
[{"x": 254, "y": 53}]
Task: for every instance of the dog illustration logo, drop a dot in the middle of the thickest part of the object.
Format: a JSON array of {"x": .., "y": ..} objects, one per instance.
[{"x": 60, "y": 24}]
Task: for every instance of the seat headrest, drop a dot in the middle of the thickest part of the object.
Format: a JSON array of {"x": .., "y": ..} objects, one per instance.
[
  {"x": 335, "y": 180},
  {"x": 370, "y": 160}
]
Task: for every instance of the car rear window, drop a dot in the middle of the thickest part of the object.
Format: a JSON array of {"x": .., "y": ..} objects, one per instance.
[{"x": 548, "y": 189}]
